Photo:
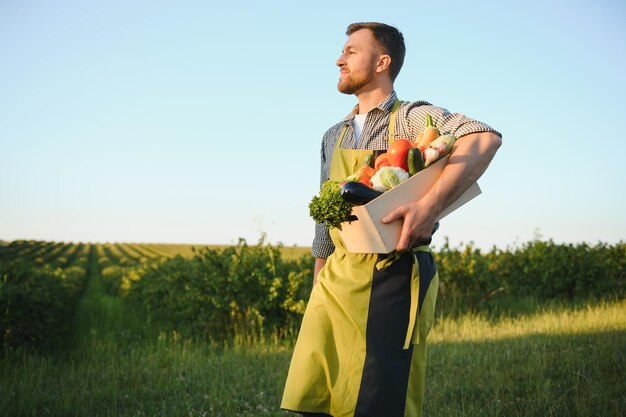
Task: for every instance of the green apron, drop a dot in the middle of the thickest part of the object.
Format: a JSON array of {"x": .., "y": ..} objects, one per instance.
[{"x": 361, "y": 349}]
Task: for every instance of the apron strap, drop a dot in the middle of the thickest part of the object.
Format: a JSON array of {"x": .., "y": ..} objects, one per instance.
[
  {"x": 412, "y": 331},
  {"x": 392, "y": 121},
  {"x": 341, "y": 135},
  {"x": 391, "y": 130}
]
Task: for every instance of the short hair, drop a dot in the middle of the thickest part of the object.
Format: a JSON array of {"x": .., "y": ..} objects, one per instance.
[{"x": 389, "y": 38}]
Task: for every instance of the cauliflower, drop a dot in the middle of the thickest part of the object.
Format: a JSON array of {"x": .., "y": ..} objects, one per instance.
[{"x": 388, "y": 177}]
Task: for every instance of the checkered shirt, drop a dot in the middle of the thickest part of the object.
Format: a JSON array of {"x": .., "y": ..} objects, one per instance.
[{"x": 410, "y": 121}]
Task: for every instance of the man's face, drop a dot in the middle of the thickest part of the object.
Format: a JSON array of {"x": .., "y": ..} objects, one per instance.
[{"x": 357, "y": 62}]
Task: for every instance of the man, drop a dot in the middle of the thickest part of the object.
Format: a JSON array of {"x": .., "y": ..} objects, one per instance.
[{"x": 361, "y": 350}]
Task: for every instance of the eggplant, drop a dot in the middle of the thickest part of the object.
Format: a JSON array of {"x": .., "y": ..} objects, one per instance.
[{"x": 355, "y": 192}]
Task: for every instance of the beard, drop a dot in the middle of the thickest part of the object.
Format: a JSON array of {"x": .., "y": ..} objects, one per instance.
[{"x": 351, "y": 84}]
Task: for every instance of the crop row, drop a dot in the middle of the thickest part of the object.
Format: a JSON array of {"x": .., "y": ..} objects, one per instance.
[{"x": 38, "y": 297}]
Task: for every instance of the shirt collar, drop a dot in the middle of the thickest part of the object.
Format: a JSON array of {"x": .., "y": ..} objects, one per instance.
[{"x": 385, "y": 106}]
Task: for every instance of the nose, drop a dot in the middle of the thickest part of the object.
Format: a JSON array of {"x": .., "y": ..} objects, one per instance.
[{"x": 340, "y": 61}]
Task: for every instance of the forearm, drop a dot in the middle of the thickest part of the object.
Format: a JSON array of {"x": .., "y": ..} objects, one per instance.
[
  {"x": 469, "y": 159},
  {"x": 319, "y": 264}
]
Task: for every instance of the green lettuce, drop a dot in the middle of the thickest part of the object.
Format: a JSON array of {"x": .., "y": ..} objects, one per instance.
[{"x": 329, "y": 207}]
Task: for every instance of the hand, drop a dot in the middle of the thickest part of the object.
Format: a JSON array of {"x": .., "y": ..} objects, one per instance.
[{"x": 419, "y": 221}]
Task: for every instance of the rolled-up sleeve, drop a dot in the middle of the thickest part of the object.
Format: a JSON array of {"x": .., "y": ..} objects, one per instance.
[
  {"x": 456, "y": 124},
  {"x": 323, "y": 246}
]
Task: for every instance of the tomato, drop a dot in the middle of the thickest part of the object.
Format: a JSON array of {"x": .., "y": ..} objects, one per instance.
[
  {"x": 381, "y": 161},
  {"x": 397, "y": 153},
  {"x": 365, "y": 175},
  {"x": 367, "y": 172}
]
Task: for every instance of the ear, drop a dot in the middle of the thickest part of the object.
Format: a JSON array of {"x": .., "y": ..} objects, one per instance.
[{"x": 383, "y": 63}]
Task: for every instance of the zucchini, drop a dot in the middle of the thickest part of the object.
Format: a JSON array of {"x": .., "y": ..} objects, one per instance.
[{"x": 414, "y": 161}]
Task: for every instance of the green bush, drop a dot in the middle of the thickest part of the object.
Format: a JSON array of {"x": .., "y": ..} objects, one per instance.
[
  {"x": 112, "y": 276},
  {"x": 539, "y": 270},
  {"x": 223, "y": 294},
  {"x": 37, "y": 304}
]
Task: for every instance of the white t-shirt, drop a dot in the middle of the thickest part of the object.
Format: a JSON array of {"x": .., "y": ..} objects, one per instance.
[{"x": 359, "y": 121}]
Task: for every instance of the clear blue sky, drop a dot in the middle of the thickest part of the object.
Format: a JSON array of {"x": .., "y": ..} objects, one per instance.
[{"x": 194, "y": 122}]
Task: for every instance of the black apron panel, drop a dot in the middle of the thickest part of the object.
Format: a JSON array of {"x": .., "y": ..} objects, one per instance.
[{"x": 387, "y": 365}]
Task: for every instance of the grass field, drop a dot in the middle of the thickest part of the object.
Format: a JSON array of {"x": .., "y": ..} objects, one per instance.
[
  {"x": 553, "y": 363},
  {"x": 558, "y": 362}
]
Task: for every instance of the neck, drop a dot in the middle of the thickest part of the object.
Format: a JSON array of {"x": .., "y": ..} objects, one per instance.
[{"x": 370, "y": 98}]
